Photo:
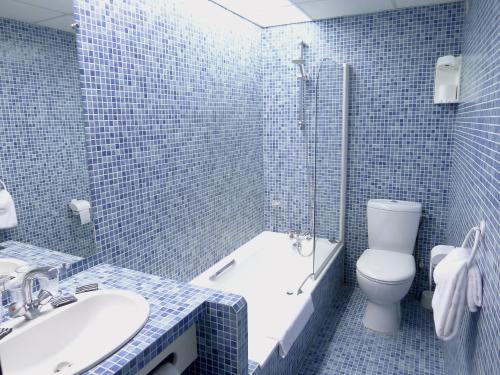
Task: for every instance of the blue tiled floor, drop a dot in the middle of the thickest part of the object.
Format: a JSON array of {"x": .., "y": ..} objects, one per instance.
[{"x": 344, "y": 346}]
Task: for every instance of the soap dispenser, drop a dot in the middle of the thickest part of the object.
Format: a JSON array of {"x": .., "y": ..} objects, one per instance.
[{"x": 447, "y": 79}]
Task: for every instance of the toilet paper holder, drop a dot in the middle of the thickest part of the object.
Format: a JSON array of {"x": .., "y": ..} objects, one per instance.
[
  {"x": 180, "y": 354},
  {"x": 81, "y": 207},
  {"x": 439, "y": 252}
]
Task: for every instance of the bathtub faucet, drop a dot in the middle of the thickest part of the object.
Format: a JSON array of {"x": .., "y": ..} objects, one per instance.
[
  {"x": 297, "y": 236},
  {"x": 297, "y": 233},
  {"x": 297, "y": 243}
]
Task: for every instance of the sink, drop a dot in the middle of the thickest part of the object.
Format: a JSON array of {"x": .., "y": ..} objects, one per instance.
[
  {"x": 75, "y": 337},
  {"x": 8, "y": 266}
]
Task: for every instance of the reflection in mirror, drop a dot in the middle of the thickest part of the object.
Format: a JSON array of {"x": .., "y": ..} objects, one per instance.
[{"x": 42, "y": 144}]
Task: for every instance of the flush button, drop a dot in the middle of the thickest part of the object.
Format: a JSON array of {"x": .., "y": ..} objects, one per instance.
[{"x": 394, "y": 201}]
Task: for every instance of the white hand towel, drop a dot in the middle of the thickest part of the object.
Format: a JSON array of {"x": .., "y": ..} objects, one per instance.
[
  {"x": 448, "y": 302},
  {"x": 296, "y": 312},
  {"x": 8, "y": 216},
  {"x": 474, "y": 288}
]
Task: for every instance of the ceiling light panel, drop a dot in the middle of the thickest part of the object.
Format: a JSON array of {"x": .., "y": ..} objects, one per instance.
[
  {"x": 279, "y": 12},
  {"x": 266, "y": 12},
  {"x": 321, "y": 9}
]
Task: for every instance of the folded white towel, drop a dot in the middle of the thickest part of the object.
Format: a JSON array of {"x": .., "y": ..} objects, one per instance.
[
  {"x": 474, "y": 288},
  {"x": 448, "y": 302},
  {"x": 299, "y": 323},
  {"x": 296, "y": 311},
  {"x": 8, "y": 216}
]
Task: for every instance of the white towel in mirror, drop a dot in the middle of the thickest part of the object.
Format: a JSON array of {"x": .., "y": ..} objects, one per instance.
[{"x": 8, "y": 216}]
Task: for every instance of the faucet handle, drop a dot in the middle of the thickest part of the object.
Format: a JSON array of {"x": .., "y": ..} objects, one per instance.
[
  {"x": 49, "y": 284},
  {"x": 44, "y": 297}
]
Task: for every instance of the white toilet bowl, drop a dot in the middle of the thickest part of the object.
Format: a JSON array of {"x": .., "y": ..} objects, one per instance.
[
  {"x": 385, "y": 277},
  {"x": 386, "y": 270}
]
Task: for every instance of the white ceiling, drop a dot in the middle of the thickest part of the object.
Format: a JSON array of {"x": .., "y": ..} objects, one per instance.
[
  {"x": 279, "y": 12},
  {"x": 57, "y": 14}
]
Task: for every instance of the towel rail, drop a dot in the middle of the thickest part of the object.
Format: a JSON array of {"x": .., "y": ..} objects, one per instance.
[{"x": 478, "y": 234}]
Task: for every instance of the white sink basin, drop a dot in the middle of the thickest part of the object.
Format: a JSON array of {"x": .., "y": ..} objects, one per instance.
[
  {"x": 75, "y": 337},
  {"x": 8, "y": 265}
]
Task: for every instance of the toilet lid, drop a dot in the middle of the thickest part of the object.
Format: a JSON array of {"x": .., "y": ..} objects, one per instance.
[{"x": 386, "y": 266}]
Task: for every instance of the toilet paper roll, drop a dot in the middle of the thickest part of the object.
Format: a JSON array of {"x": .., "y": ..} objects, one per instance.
[
  {"x": 447, "y": 93},
  {"x": 166, "y": 368},
  {"x": 85, "y": 216},
  {"x": 439, "y": 252},
  {"x": 81, "y": 208}
]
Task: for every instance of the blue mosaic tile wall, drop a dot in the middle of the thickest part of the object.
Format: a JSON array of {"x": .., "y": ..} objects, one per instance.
[
  {"x": 36, "y": 255},
  {"x": 400, "y": 143},
  {"x": 43, "y": 159},
  {"x": 475, "y": 185},
  {"x": 172, "y": 97},
  {"x": 222, "y": 340},
  {"x": 290, "y": 150}
]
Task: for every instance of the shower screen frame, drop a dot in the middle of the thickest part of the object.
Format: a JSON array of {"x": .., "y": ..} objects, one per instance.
[{"x": 339, "y": 243}]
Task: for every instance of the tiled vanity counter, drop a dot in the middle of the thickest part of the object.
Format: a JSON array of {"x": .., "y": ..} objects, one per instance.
[
  {"x": 221, "y": 321},
  {"x": 36, "y": 255}
]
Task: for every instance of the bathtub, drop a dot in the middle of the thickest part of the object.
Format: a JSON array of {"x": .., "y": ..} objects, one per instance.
[{"x": 268, "y": 272}]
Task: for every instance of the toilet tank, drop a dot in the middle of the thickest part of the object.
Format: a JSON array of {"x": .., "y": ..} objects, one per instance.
[{"x": 393, "y": 224}]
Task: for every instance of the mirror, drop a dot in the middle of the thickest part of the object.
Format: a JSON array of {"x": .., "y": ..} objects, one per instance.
[{"x": 42, "y": 137}]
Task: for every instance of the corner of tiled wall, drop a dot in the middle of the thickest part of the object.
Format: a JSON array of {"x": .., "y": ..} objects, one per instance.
[
  {"x": 475, "y": 185},
  {"x": 172, "y": 106},
  {"x": 400, "y": 143}
]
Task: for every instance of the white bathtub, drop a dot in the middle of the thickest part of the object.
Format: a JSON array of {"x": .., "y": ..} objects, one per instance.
[{"x": 263, "y": 271}]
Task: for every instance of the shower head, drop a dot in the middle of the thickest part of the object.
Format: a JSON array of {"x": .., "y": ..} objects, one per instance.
[{"x": 300, "y": 62}]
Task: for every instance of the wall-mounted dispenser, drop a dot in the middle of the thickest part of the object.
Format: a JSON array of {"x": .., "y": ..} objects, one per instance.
[{"x": 447, "y": 79}]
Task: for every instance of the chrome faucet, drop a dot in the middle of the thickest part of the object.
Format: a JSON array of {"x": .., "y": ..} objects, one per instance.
[
  {"x": 27, "y": 305},
  {"x": 295, "y": 235},
  {"x": 298, "y": 243}
]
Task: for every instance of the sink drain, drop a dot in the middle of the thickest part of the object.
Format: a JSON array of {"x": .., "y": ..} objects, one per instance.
[{"x": 61, "y": 367}]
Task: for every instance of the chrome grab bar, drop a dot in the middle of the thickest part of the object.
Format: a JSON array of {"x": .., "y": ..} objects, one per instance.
[{"x": 222, "y": 270}]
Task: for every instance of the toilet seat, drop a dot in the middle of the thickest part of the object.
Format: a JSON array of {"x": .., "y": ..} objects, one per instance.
[{"x": 386, "y": 267}]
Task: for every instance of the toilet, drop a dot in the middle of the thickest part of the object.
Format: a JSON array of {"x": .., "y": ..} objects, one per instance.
[{"x": 386, "y": 270}]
